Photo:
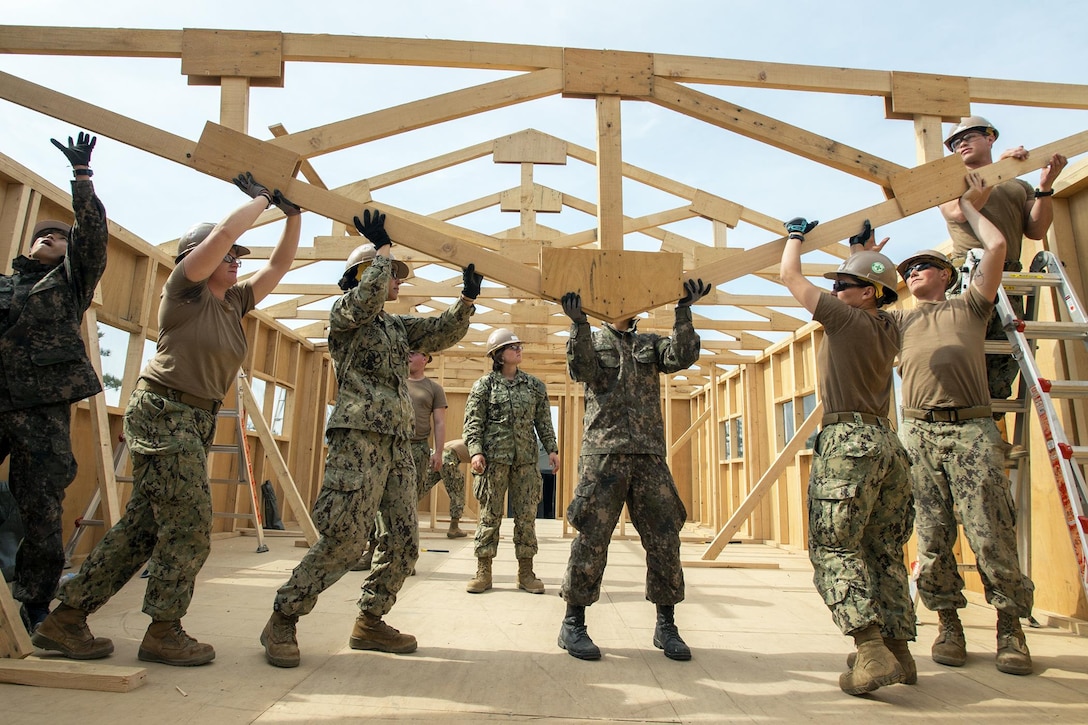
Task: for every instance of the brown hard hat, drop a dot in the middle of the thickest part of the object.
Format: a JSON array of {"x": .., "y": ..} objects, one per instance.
[
  {"x": 500, "y": 338},
  {"x": 871, "y": 267},
  {"x": 930, "y": 255},
  {"x": 196, "y": 234}
]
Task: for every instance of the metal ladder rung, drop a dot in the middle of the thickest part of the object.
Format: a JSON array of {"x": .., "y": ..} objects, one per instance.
[
  {"x": 1055, "y": 330},
  {"x": 229, "y": 480},
  {"x": 1069, "y": 388},
  {"x": 998, "y": 347},
  {"x": 1012, "y": 405},
  {"x": 1080, "y": 452},
  {"x": 1030, "y": 279}
]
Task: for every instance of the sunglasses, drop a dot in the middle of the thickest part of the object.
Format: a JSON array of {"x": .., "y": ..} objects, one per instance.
[
  {"x": 516, "y": 348},
  {"x": 919, "y": 267},
  {"x": 973, "y": 135},
  {"x": 231, "y": 259},
  {"x": 839, "y": 286}
]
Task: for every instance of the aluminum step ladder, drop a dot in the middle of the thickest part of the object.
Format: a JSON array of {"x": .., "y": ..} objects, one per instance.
[
  {"x": 239, "y": 448},
  {"x": 1067, "y": 457}
]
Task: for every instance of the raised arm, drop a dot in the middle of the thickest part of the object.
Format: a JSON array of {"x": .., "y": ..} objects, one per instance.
[
  {"x": 283, "y": 255},
  {"x": 202, "y": 261},
  {"x": 988, "y": 277},
  {"x": 789, "y": 269},
  {"x": 1040, "y": 213}
]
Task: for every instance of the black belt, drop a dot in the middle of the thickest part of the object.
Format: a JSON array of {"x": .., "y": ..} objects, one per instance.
[
  {"x": 212, "y": 406},
  {"x": 948, "y": 415},
  {"x": 859, "y": 418}
]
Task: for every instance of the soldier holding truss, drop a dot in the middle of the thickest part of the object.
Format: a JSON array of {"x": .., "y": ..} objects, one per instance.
[
  {"x": 859, "y": 499},
  {"x": 169, "y": 426}
]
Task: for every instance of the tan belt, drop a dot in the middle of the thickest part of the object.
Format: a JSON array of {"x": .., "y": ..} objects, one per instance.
[
  {"x": 859, "y": 418},
  {"x": 212, "y": 406},
  {"x": 948, "y": 415}
]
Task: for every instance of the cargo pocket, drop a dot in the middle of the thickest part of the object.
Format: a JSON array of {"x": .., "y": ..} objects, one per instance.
[{"x": 832, "y": 512}]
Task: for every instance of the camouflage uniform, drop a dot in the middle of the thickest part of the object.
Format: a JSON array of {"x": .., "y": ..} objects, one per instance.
[
  {"x": 501, "y": 417},
  {"x": 450, "y": 474},
  {"x": 860, "y": 508},
  {"x": 45, "y": 369},
  {"x": 369, "y": 470},
  {"x": 957, "y": 468},
  {"x": 623, "y": 457},
  {"x": 859, "y": 518}
]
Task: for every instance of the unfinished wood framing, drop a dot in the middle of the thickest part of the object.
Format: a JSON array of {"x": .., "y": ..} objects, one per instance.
[{"x": 729, "y": 418}]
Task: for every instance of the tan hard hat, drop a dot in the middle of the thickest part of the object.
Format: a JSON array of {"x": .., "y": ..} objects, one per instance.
[
  {"x": 930, "y": 255},
  {"x": 47, "y": 224},
  {"x": 364, "y": 254},
  {"x": 969, "y": 123},
  {"x": 196, "y": 234},
  {"x": 458, "y": 446},
  {"x": 500, "y": 338},
  {"x": 871, "y": 267}
]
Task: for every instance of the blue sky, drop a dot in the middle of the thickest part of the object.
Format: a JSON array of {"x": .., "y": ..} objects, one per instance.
[{"x": 157, "y": 200}]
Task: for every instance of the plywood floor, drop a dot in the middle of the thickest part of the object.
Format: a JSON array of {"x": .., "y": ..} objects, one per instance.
[{"x": 764, "y": 648}]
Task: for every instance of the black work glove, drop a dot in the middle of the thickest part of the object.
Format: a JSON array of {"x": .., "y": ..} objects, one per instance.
[
  {"x": 572, "y": 306},
  {"x": 800, "y": 225},
  {"x": 863, "y": 236},
  {"x": 472, "y": 282},
  {"x": 78, "y": 153},
  {"x": 372, "y": 227},
  {"x": 252, "y": 187},
  {"x": 694, "y": 290},
  {"x": 285, "y": 205}
]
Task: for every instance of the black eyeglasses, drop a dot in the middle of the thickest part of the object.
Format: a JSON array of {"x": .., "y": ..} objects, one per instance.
[
  {"x": 840, "y": 285},
  {"x": 918, "y": 267},
  {"x": 231, "y": 259}
]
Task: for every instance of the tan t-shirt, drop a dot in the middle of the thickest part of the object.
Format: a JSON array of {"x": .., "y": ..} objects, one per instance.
[
  {"x": 854, "y": 362},
  {"x": 943, "y": 362},
  {"x": 427, "y": 395},
  {"x": 201, "y": 340},
  {"x": 1005, "y": 208}
]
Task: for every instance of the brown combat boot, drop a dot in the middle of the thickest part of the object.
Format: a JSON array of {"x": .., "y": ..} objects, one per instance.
[
  {"x": 1013, "y": 657},
  {"x": 897, "y": 647},
  {"x": 874, "y": 665},
  {"x": 527, "y": 579},
  {"x": 950, "y": 647},
  {"x": 278, "y": 639},
  {"x": 65, "y": 630},
  {"x": 482, "y": 581},
  {"x": 455, "y": 531},
  {"x": 370, "y": 632},
  {"x": 167, "y": 643}
]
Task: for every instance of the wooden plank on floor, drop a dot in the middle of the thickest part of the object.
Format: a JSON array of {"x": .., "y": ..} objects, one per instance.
[
  {"x": 72, "y": 675},
  {"x": 714, "y": 564}
]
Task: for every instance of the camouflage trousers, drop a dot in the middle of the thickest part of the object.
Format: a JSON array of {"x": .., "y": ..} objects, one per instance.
[
  {"x": 450, "y": 474},
  {"x": 39, "y": 443},
  {"x": 168, "y": 520},
  {"x": 369, "y": 480},
  {"x": 526, "y": 488},
  {"x": 1001, "y": 370},
  {"x": 859, "y": 518},
  {"x": 957, "y": 468},
  {"x": 605, "y": 483}
]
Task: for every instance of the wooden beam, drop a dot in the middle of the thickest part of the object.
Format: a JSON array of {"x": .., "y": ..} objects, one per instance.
[
  {"x": 419, "y": 114},
  {"x": 609, "y": 174},
  {"x": 14, "y": 640},
  {"x": 931, "y": 95},
  {"x": 209, "y": 56},
  {"x": 530, "y": 147},
  {"x": 593, "y": 73},
  {"x": 72, "y": 675},
  {"x": 776, "y": 133},
  {"x": 100, "y": 428}
]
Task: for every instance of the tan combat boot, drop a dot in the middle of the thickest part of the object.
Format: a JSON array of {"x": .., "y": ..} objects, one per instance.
[
  {"x": 166, "y": 642},
  {"x": 482, "y": 581},
  {"x": 278, "y": 639},
  {"x": 455, "y": 531},
  {"x": 950, "y": 647},
  {"x": 527, "y": 579},
  {"x": 897, "y": 647},
  {"x": 65, "y": 630},
  {"x": 1013, "y": 657},
  {"x": 370, "y": 632},
  {"x": 874, "y": 665}
]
